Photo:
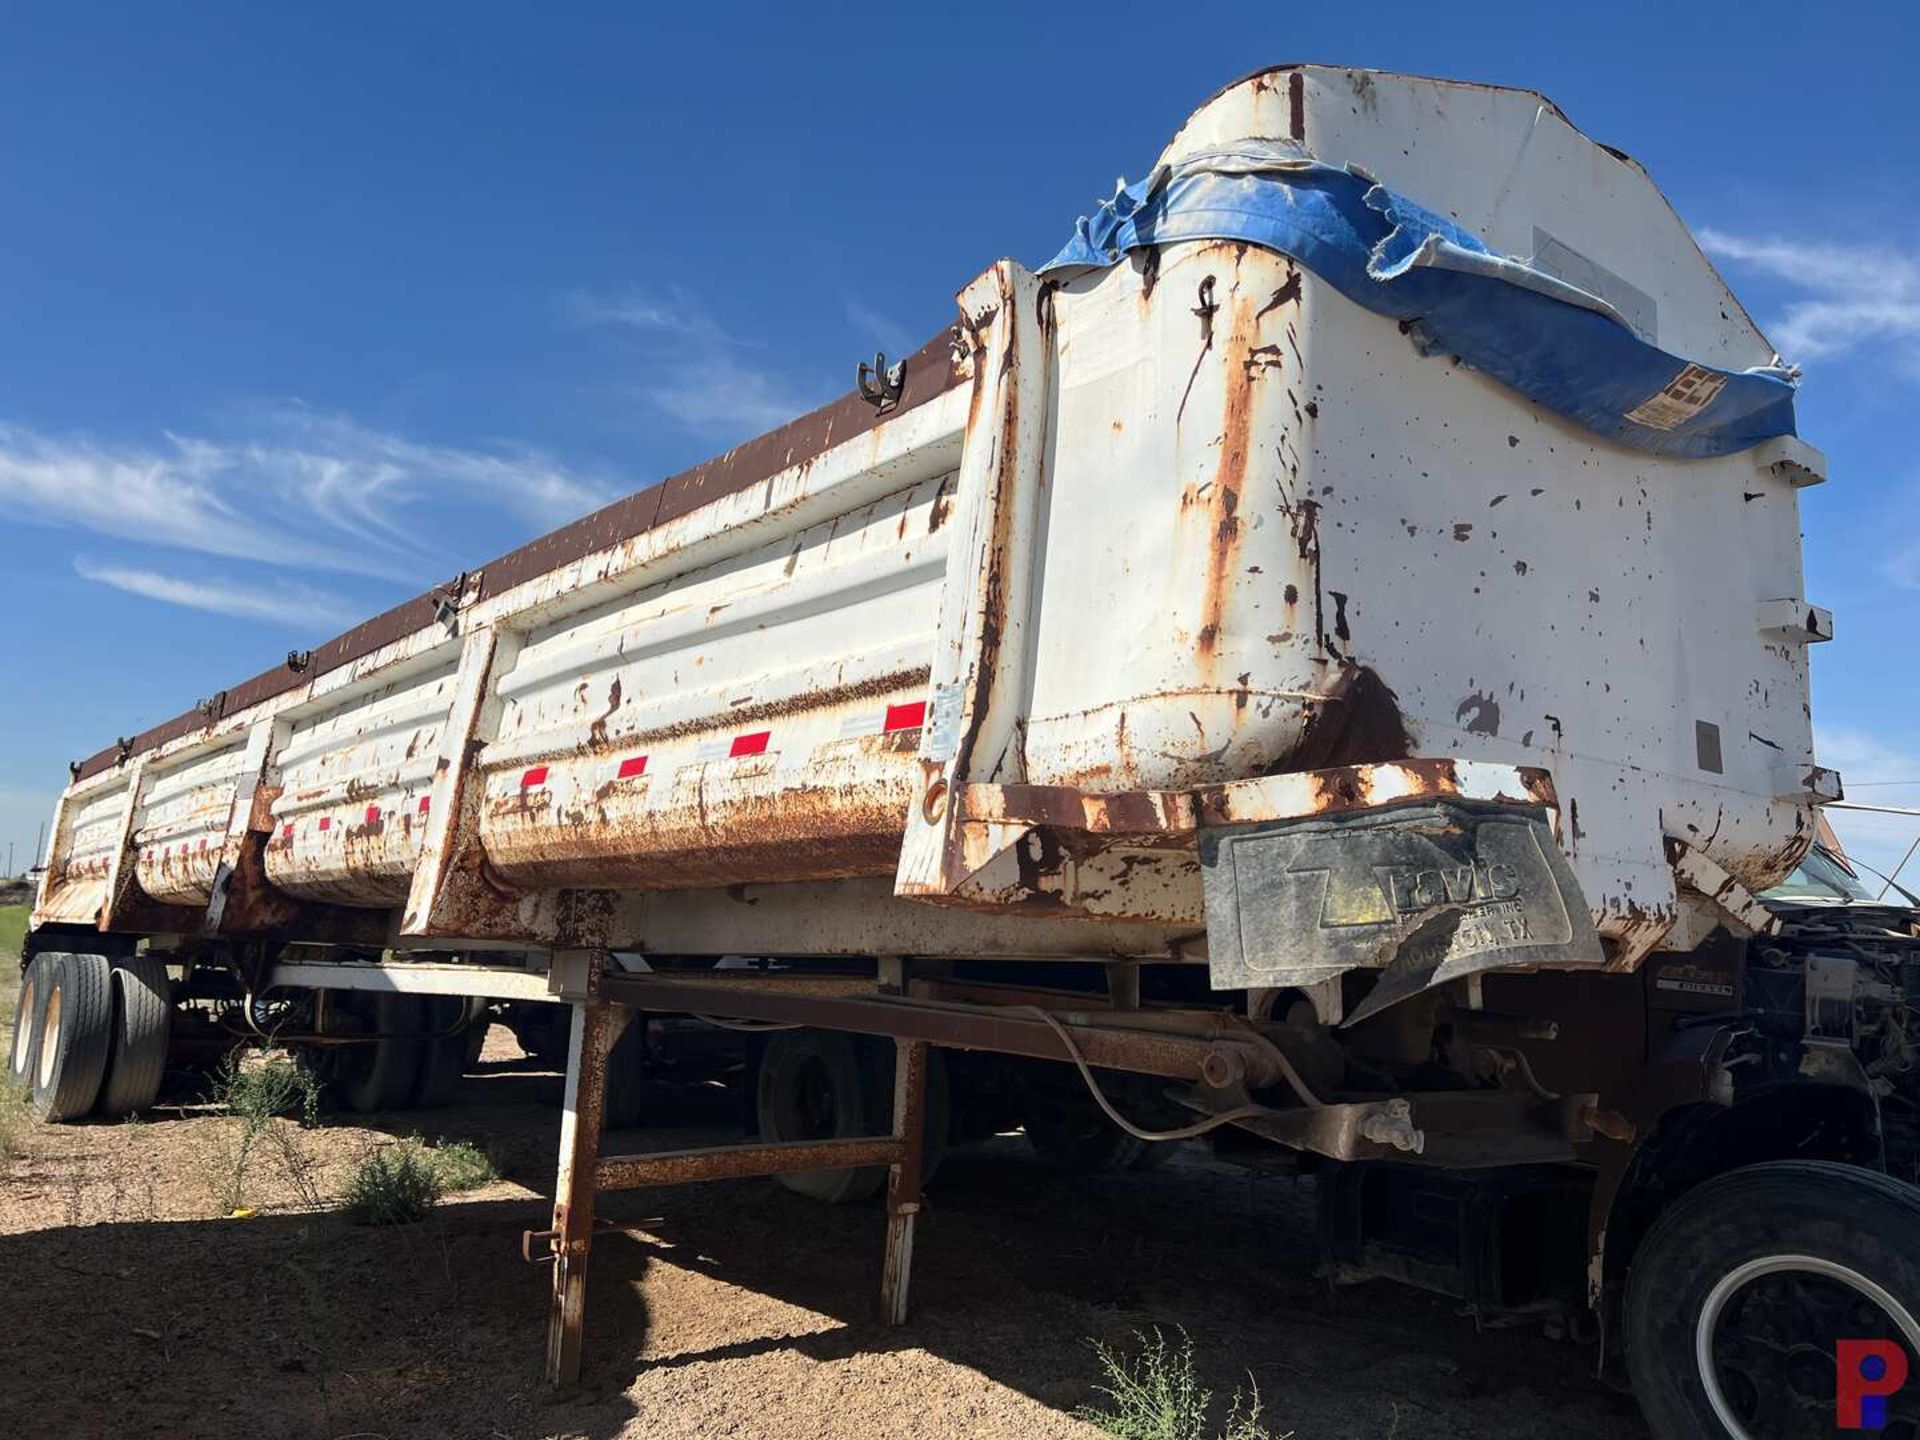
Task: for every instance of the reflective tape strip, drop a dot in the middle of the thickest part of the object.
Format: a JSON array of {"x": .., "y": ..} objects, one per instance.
[
  {"x": 633, "y": 765},
  {"x": 911, "y": 716},
  {"x": 326, "y": 822},
  {"x": 754, "y": 744},
  {"x": 536, "y": 776}
]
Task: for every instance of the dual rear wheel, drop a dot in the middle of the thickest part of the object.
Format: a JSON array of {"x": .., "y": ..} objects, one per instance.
[
  {"x": 411, "y": 1055},
  {"x": 90, "y": 1034}
]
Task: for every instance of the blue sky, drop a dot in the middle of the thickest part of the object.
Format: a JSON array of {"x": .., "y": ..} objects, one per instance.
[{"x": 304, "y": 308}]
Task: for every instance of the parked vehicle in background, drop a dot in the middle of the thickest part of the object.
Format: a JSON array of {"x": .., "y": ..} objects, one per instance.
[{"x": 1290, "y": 671}]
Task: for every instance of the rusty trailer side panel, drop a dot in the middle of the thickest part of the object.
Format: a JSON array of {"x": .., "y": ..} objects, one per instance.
[{"x": 1188, "y": 542}]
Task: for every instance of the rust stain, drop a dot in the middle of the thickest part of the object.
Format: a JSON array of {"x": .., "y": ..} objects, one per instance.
[
  {"x": 1480, "y": 713},
  {"x": 1358, "y": 722}
]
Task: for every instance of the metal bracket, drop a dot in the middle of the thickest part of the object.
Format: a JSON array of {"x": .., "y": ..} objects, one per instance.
[{"x": 881, "y": 385}]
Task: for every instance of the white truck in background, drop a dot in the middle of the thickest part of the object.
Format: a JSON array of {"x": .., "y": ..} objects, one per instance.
[{"x": 1234, "y": 682}]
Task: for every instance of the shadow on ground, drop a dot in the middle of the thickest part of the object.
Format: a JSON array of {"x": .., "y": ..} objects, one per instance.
[{"x": 302, "y": 1325}]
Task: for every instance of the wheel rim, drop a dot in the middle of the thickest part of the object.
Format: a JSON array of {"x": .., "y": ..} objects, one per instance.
[
  {"x": 23, "y": 1032},
  {"x": 1764, "y": 1345},
  {"x": 50, "y": 1038}
]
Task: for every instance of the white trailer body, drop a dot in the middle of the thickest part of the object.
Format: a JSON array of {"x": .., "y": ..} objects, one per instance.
[{"x": 1185, "y": 544}]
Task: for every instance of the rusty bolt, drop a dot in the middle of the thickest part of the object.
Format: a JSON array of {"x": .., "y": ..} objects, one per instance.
[{"x": 1221, "y": 1068}]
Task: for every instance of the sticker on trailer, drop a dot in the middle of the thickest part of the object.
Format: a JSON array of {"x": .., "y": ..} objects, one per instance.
[{"x": 942, "y": 737}]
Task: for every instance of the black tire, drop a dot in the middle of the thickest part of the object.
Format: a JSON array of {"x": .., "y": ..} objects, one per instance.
[
  {"x": 24, "y": 1046},
  {"x": 443, "y": 1060},
  {"x": 142, "y": 1026},
  {"x": 1820, "y": 1229},
  {"x": 75, "y": 1023},
  {"x": 626, "y": 1101},
  {"x": 824, "y": 1084},
  {"x": 1069, "y": 1131},
  {"x": 379, "y": 1074}
]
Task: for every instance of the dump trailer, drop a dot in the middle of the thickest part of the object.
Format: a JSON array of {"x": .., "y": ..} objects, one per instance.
[{"x": 1321, "y": 665}]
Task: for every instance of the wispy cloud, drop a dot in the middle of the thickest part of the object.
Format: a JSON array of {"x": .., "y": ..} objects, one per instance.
[
  {"x": 697, "y": 373},
  {"x": 298, "y": 606},
  {"x": 292, "y": 486},
  {"x": 1875, "y": 772},
  {"x": 1843, "y": 297},
  {"x": 874, "y": 328}
]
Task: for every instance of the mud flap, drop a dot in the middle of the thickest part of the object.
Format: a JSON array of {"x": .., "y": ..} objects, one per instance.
[{"x": 1422, "y": 893}]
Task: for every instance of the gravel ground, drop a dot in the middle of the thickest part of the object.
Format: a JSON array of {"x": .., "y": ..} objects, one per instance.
[{"x": 132, "y": 1307}]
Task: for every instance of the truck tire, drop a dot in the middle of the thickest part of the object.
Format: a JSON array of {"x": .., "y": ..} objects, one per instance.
[
  {"x": 824, "y": 1084},
  {"x": 25, "y": 1045},
  {"x": 1071, "y": 1133},
  {"x": 142, "y": 1025},
  {"x": 1736, "y": 1299},
  {"x": 443, "y": 1062},
  {"x": 625, "y": 1101},
  {"x": 378, "y": 1074},
  {"x": 75, "y": 1024}
]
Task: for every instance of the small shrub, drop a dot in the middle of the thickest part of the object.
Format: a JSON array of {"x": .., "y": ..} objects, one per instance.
[
  {"x": 264, "y": 1092},
  {"x": 258, "y": 1095},
  {"x": 462, "y": 1165},
  {"x": 1157, "y": 1396},
  {"x": 394, "y": 1186}
]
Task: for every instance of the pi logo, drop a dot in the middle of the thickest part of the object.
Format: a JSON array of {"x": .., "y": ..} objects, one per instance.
[{"x": 1867, "y": 1372}]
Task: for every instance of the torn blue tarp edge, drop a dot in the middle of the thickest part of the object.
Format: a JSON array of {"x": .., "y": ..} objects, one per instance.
[{"x": 1549, "y": 340}]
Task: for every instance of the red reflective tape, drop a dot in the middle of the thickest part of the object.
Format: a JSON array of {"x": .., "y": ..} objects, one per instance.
[
  {"x": 203, "y": 842},
  {"x": 373, "y": 814},
  {"x": 634, "y": 765},
  {"x": 906, "y": 717},
  {"x": 754, "y": 744},
  {"x": 286, "y": 832},
  {"x": 536, "y": 776},
  {"x": 426, "y": 803},
  {"x": 326, "y": 822}
]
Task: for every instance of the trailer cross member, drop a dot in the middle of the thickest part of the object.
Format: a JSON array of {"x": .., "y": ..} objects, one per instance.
[{"x": 584, "y": 1173}]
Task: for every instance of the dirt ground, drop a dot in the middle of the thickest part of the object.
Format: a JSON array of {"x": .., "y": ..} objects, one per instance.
[{"x": 132, "y": 1308}]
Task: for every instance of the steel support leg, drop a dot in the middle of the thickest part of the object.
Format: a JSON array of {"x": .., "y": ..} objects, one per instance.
[
  {"x": 594, "y": 1028},
  {"x": 903, "y": 1176}
]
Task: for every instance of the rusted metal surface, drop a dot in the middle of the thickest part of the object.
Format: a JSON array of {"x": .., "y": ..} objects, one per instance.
[
  {"x": 595, "y": 1028},
  {"x": 737, "y": 1162},
  {"x": 1058, "y": 851},
  {"x": 354, "y": 775},
  {"x": 584, "y": 1173},
  {"x": 904, "y": 1176},
  {"x": 1706, "y": 878},
  {"x": 1272, "y": 797},
  {"x": 1104, "y": 1043}
]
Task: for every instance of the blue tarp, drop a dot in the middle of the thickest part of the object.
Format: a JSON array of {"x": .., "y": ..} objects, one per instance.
[{"x": 1551, "y": 341}]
